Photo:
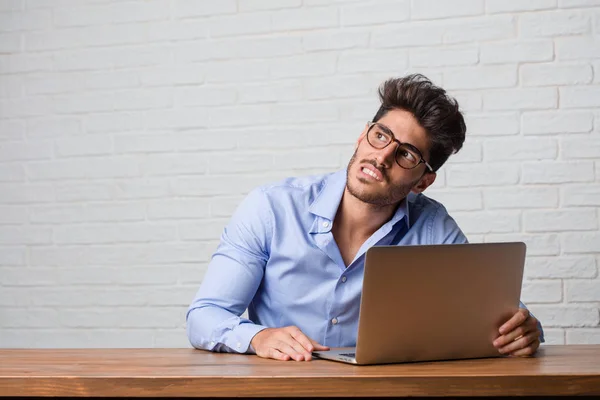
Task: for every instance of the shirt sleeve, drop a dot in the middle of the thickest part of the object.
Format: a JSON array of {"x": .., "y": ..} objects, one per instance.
[
  {"x": 233, "y": 276},
  {"x": 443, "y": 228}
]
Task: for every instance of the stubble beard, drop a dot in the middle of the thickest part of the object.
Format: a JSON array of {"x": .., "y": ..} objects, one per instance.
[{"x": 393, "y": 196}]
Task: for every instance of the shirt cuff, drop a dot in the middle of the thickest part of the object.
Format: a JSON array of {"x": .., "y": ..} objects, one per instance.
[{"x": 243, "y": 335}]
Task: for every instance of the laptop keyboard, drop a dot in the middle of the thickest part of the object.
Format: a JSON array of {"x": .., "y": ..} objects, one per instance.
[{"x": 348, "y": 355}]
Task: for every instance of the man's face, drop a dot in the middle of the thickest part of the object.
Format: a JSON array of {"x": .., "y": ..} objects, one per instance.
[{"x": 391, "y": 182}]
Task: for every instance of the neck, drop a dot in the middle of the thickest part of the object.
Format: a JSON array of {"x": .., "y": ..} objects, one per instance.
[{"x": 360, "y": 219}]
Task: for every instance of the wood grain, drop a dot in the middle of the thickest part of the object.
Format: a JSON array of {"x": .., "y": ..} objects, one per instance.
[{"x": 556, "y": 370}]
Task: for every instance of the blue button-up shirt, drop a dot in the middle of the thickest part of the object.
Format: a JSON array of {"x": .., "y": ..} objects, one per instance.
[{"x": 278, "y": 259}]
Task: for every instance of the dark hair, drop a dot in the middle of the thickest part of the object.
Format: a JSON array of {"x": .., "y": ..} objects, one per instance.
[{"x": 435, "y": 111}]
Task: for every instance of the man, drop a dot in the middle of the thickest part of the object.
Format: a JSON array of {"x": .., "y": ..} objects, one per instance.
[{"x": 293, "y": 252}]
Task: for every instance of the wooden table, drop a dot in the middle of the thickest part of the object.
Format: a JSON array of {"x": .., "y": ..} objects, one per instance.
[{"x": 556, "y": 371}]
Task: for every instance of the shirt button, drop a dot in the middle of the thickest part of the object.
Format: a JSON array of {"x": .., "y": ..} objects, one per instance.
[
  {"x": 334, "y": 321},
  {"x": 325, "y": 224},
  {"x": 344, "y": 279}
]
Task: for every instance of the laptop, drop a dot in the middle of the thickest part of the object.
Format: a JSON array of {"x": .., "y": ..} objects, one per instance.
[{"x": 434, "y": 302}]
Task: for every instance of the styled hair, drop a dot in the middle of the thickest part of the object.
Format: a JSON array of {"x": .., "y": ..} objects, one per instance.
[{"x": 436, "y": 112}]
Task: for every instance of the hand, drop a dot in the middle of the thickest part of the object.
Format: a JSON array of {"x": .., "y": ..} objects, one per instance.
[
  {"x": 284, "y": 344},
  {"x": 519, "y": 336}
]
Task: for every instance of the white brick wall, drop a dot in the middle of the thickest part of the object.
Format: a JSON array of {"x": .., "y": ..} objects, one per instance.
[{"x": 130, "y": 131}]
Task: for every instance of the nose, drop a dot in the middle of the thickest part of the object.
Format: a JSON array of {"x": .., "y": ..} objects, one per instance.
[{"x": 387, "y": 155}]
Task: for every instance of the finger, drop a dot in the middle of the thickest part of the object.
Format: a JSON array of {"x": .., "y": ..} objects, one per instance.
[
  {"x": 519, "y": 343},
  {"x": 527, "y": 351},
  {"x": 516, "y": 320},
  {"x": 288, "y": 348},
  {"x": 511, "y": 336},
  {"x": 302, "y": 339},
  {"x": 277, "y": 355},
  {"x": 318, "y": 346}
]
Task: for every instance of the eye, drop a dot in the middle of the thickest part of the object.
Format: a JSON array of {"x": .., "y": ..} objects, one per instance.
[{"x": 407, "y": 155}]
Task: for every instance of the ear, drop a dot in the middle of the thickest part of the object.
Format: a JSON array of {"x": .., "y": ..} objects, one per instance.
[
  {"x": 425, "y": 181},
  {"x": 362, "y": 136}
]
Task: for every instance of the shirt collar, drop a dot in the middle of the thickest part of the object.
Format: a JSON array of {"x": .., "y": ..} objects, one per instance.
[{"x": 328, "y": 200}]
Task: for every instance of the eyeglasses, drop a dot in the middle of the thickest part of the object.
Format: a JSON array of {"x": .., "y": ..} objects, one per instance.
[{"x": 407, "y": 156}]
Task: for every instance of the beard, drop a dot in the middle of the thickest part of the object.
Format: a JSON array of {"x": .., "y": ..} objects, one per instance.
[{"x": 395, "y": 194}]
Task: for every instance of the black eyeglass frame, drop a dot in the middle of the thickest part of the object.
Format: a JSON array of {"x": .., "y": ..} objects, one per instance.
[{"x": 388, "y": 131}]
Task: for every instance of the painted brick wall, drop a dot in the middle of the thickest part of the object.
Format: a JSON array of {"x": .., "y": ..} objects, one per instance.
[{"x": 130, "y": 130}]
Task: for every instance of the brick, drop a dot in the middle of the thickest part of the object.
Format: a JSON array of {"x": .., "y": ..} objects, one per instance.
[
  {"x": 374, "y": 14},
  {"x": 128, "y": 317},
  {"x": 520, "y": 99},
  {"x": 13, "y": 214},
  {"x": 577, "y": 48},
  {"x": 13, "y": 63},
  {"x": 240, "y": 163},
  {"x": 68, "y": 192},
  {"x": 83, "y": 146},
  {"x": 537, "y": 245},
  {"x": 240, "y": 115},
  {"x": 11, "y": 5},
  {"x": 142, "y": 56},
  {"x": 353, "y": 61},
  {"x": 141, "y": 99},
  {"x": 46, "y": 128},
  {"x": 492, "y": 124},
  {"x": 470, "y": 152},
  {"x": 207, "y": 140},
  {"x": 189, "y": 117},
  {"x": 113, "y": 122},
  {"x": 315, "y": 158},
  {"x": 168, "y": 76},
  {"x": 484, "y": 222},
  {"x": 563, "y": 267},
  {"x": 84, "y": 103},
  {"x": 142, "y": 188},
  {"x": 583, "y": 147},
  {"x": 112, "y": 167},
  {"x": 205, "y": 96},
  {"x": 431, "y": 9},
  {"x": 57, "y": 214},
  {"x": 554, "y": 23},
  {"x": 25, "y": 235},
  {"x": 177, "y": 209},
  {"x": 12, "y": 193},
  {"x": 521, "y": 197},
  {"x": 114, "y": 233},
  {"x": 25, "y": 107},
  {"x": 407, "y": 35},
  {"x": 554, "y": 336},
  {"x": 468, "y": 101},
  {"x": 516, "y": 51},
  {"x": 502, "y": 6},
  {"x": 525, "y": 149},
  {"x": 555, "y": 74},
  {"x": 13, "y": 257},
  {"x": 557, "y": 172},
  {"x": 444, "y": 56},
  {"x": 12, "y": 172},
  {"x": 240, "y": 24},
  {"x": 64, "y": 257},
  {"x": 583, "y": 336},
  {"x": 39, "y": 150},
  {"x": 32, "y": 318},
  {"x": 560, "y": 220},
  {"x": 553, "y": 122},
  {"x": 224, "y": 206},
  {"x": 304, "y": 65},
  {"x": 565, "y": 316},
  {"x": 208, "y": 230},
  {"x": 12, "y": 130},
  {"x": 114, "y": 212},
  {"x": 259, "y": 5},
  {"x": 578, "y": 3},
  {"x": 277, "y": 91},
  {"x": 580, "y": 195},
  {"x": 546, "y": 291},
  {"x": 149, "y": 253},
  {"x": 203, "y": 8},
  {"x": 305, "y": 18},
  {"x": 335, "y": 40},
  {"x": 458, "y": 200},
  {"x": 583, "y": 290},
  {"x": 10, "y": 43},
  {"x": 177, "y": 30},
  {"x": 486, "y": 175},
  {"x": 309, "y": 112},
  {"x": 157, "y": 142},
  {"x": 237, "y": 71},
  {"x": 11, "y": 87},
  {"x": 173, "y": 164},
  {"x": 580, "y": 242},
  {"x": 78, "y": 338},
  {"x": 481, "y": 77},
  {"x": 485, "y": 28}
]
